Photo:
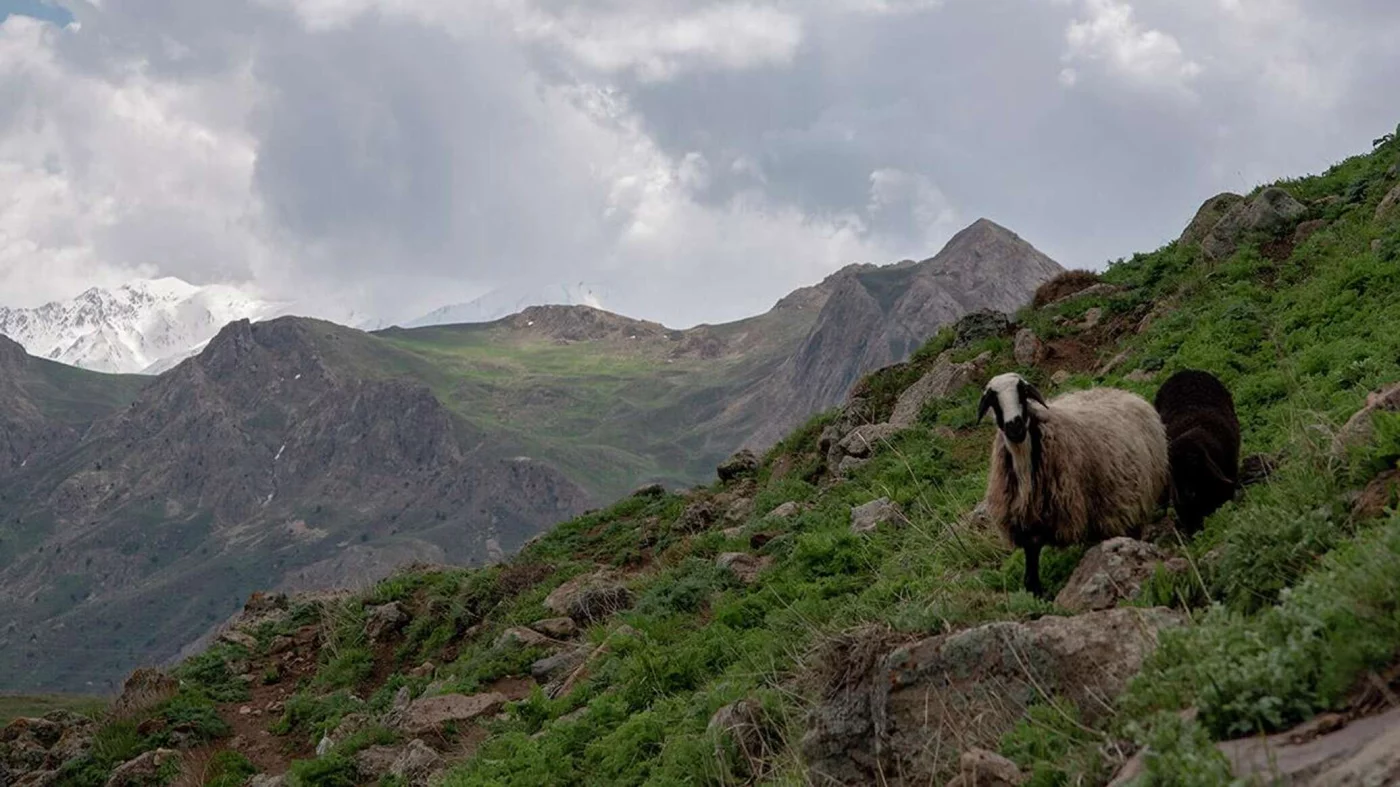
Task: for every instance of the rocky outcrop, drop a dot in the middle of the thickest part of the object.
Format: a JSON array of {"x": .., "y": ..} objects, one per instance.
[
  {"x": 1269, "y": 212},
  {"x": 590, "y": 598},
  {"x": 36, "y": 746},
  {"x": 868, "y": 518},
  {"x": 384, "y": 620},
  {"x": 428, "y": 714},
  {"x": 1113, "y": 571},
  {"x": 1207, "y": 216},
  {"x": 910, "y": 711},
  {"x": 144, "y": 689},
  {"x": 744, "y": 464},
  {"x": 943, "y": 380},
  {"x": 1390, "y": 206}
]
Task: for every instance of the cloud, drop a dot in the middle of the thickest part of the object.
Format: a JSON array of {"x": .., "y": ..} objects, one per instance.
[
  {"x": 700, "y": 157},
  {"x": 1110, "y": 35}
]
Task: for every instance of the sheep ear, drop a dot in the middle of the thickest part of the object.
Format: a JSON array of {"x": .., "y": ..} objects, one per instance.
[
  {"x": 1030, "y": 392},
  {"x": 988, "y": 397}
]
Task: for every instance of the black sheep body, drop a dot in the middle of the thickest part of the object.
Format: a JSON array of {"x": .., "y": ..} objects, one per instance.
[{"x": 1203, "y": 444}]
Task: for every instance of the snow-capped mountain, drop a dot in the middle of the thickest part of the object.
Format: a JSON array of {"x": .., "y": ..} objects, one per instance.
[
  {"x": 143, "y": 327},
  {"x": 505, "y": 301}
]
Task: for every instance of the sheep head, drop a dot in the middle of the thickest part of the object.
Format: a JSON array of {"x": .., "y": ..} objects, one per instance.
[{"x": 1009, "y": 396}]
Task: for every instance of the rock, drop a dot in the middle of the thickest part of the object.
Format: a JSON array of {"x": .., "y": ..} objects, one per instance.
[
  {"x": 417, "y": 764},
  {"x": 743, "y": 565},
  {"x": 1307, "y": 229},
  {"x": 741, "y": 465},
  {"x": 650, "y": 490},
  {"x": 1272, "y": 210},
  {"x": 1027, "y": 347},
  {"x": 144, "y": 689},
  {"x": 144, "y": 770},
  {"x": 1110, "y": 572},
  {"x": 29, "y": 747},
  {"x": 239, "y": 639},
  {"x": 424, "y": 670},
  {"x": 981, "y": 768},
  {"x": 384, "y": 620},
  {"x": 1390, "y": 205},
  {"x": 1060, "y": 378},
  {"x": 943, "y": 380},
  {"x": 1091, "y": 319},
  {"x": 733, "y": 532},
  {"x": 521, "y": 637},
  {"x": 558, "y": 628},
  {"x": 979, "y": 325},
  {"x": 1209, "y": 215},
  {"x": 558, "y": 666},
  {"x": 281, "y": 644},
  {"x": 1378, "y": 496},
  {"x": 590, "y": 598},
  {"x": 864, "y": 440},
  {"x": 739, "y": 509},
  {"x": 1362, "y": 753},
  {"x": 700, "y": 515},
  {"x": 910, "y": 711},
  {"x": 785, "y": 511},
  {"x": 428, "y": 714},
  {"x": 1359, "y": 430},
  {"x": 746, "y": 741},
  {"x": 867, "y": 518},
  {"x": 1257, "y": 468},
  {"x": 1113, "y": 363},
  {"x": 374, "y": 762},
  {"x": 1103, "y": 289},
  {"x": 849, "y": 465},
  {"x": 1139, "y": 376}
]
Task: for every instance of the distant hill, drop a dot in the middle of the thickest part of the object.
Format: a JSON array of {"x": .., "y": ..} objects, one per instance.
[{"x": 299, "y": 454}]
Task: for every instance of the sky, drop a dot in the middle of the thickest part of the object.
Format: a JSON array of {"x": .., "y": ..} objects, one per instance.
[{"x": 693, "y": 160}]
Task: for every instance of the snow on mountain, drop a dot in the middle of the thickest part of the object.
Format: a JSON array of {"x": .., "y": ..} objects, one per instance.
[
  {"x": 143, "y": 327},
  {"x": 506, "y": 301}
]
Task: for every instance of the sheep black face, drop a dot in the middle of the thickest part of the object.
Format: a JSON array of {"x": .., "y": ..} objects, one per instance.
[{"x": 1009, "y": 397}]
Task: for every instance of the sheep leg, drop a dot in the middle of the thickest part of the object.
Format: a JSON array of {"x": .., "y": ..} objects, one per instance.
[{"x": 1033, "y": 571}]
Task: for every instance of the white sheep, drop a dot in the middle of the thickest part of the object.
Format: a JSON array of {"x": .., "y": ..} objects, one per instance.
[{"x": 1087, "y": 466}]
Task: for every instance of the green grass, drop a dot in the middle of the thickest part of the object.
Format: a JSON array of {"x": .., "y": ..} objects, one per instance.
[{"x": 15, "y": 706}]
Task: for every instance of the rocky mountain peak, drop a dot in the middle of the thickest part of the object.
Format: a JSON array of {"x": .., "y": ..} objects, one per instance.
[
  {"x": 12, "y": 354},
  {"x": 581, "y": 323}
]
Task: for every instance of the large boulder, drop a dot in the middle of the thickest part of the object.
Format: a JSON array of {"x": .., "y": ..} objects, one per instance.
[
  {"x": 1270, "y": 211},
  {"x": 868, "y": 518},
  {"x": 910, "y": 711},
  {"x": 943, "y": 380},
  {"x": 1113, "y": 571},
  {"x": 385, "y": 620},
  {"x": 1209, "y": 215},
  {"x": 1027, "y": 347},
  {"x": 146, "y": 770},
  {"x": 741, "y": 465},
  {"x": 1390, "y": 206},
  {"x": 979, "y": 325},
  {"x": 590, "y": 598},
  {"x": 144, "y": 689},
  {"x": 429, "y": 714}
]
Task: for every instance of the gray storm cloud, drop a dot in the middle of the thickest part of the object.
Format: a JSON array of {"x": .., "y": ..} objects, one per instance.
[{"x": 702, "y": 159}]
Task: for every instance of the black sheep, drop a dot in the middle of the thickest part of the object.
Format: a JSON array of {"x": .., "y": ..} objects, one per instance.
[{"x": 1203, "y": 444}]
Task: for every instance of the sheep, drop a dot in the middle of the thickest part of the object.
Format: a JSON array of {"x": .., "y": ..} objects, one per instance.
[
  {"x": 1087, "y": 466},
  {"x": 1203, "y": 445}
]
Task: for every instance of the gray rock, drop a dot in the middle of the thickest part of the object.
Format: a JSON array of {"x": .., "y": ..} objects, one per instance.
[
  {"x": 700, "y": 515},
  {"x": 590, "y": 598},
  {"x": 1359, "y": 430},
  {"x": 375, "y": 762},
  {"x": 267, "y": 780},
  {"x": 418, "y": 764},
  {"x": 1209, "y": 215},
  {"x": 1060, "y": 378},
  {"x": 1110, "y": 572},
  {"x": 746, "y": 741},
  {"x": 743, "y": 565},
  {"x": 144, "y": 689},
  {"x": 1139, "y": 376},
  {"x": 1271, "y": 211},
  {"x": 1091, "y": 319},
  {"x": 785, "y": 511},
  {"x": 1027, "y": 347},
  {"x": 521, "y": 637},
  {"x": 943, "y": 380},
  {"x": 979, "y": 325},
  {"x": 559, "y": 665},
  {"x": 867, "y": 518},
  {"x": 558, "y": 628},
  {"x": 239, "y": 639},
  {"x": 650, "y": 490},
  {"x": 143, "y": 771},
  {"x": 1307, "y": 229},
  {"x": 429, "y": 714},
  {"x": 1390, "y": 206},
  {"x": 383, "y": 620},
  {"x": 741, "y": 465},
  {"x": 911, "y": 711},
  {"x": 865, "y": 440}
]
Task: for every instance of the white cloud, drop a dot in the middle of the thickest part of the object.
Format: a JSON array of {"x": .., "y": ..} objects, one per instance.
[{"x": 1110, "y": 35}]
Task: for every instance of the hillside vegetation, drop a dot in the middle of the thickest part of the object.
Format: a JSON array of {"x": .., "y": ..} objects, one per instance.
[{"x": 1289, "y": 603}]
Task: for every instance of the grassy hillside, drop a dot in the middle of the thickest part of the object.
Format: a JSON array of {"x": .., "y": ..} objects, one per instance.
[
  {"x": 1292, "y": 597},
  {"x": 15, "y": 706}
]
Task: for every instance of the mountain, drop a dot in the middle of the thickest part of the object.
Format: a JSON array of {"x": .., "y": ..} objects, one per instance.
[
  {"x": 296, "y": 453},
  {"x": 144, "y": 326},
  {"x": 288, "y": 453},
  {"x": 797, "y": 624},
  {"x": 877, "y": 316},
  {"x": 505, "y": 301}
]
